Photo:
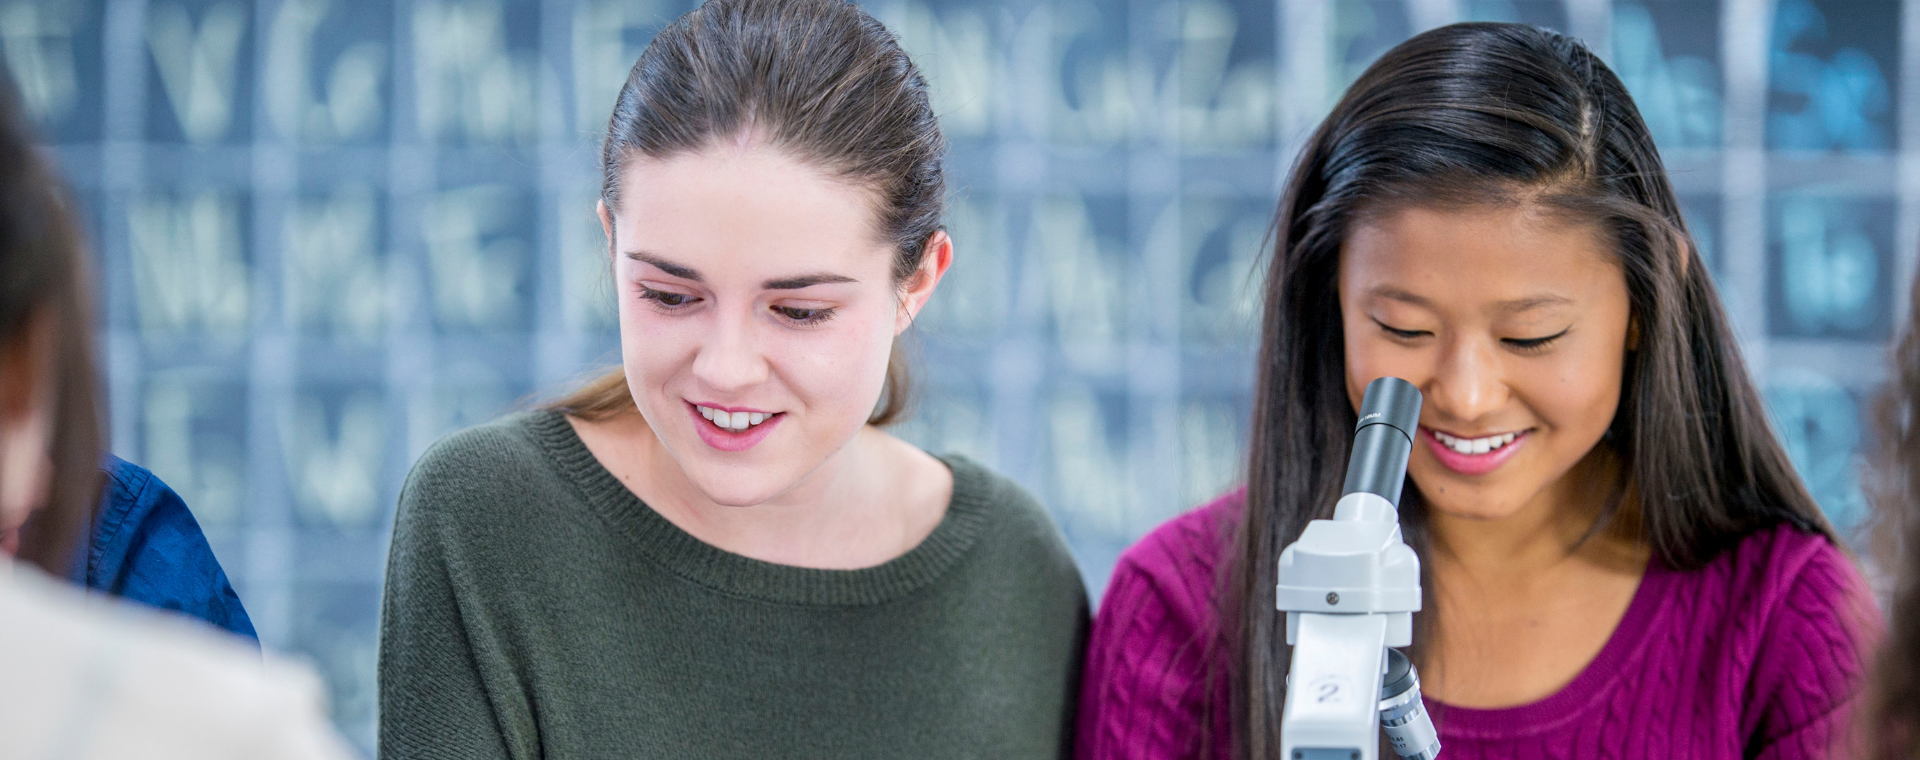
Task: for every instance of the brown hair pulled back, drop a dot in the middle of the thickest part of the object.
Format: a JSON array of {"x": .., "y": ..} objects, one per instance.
[
  {"x": 1493, "y": 113},
  {"x": 819, "y": 79},
  {"x": 44, "y": 276}
]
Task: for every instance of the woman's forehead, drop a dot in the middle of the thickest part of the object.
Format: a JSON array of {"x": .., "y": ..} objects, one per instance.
[
  {"x": 1505, "y": 256},
  {"x": 745, "y": 212}
]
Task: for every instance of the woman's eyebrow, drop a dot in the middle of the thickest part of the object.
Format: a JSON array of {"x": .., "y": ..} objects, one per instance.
[
  {"x": 1392, "y": 293},
  {"x": 685, "y": 272},
  {"x": 1513, "y": 306},
  {"x": 675, "y": 270},
  {"x": 1518, "y": 305},
  {"x": 805, "y": 281}
]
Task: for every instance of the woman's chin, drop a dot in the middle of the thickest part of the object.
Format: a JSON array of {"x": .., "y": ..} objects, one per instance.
[
  {"x": 733, "y": 480},
  {"x": 734, "y": 488},
  {"x": 1444, "y": 492},
  {"x": 1469, "y": 508},
  {"x": 1480, "y": 515}
]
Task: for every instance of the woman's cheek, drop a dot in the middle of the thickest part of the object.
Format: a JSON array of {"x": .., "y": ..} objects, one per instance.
[
  {"x": 842, "y": 366},
  {"x": 840, "y": 363},
  {"x": 1371, "y": 357},
  {"x": 1585, "y": 395},
  {"x": 655, "y": 346}
]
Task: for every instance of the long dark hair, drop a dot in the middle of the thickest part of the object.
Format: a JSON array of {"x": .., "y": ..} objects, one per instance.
[
  {"x": 1893, "y": 714},
  {"x": 43, "y": 276},
  {"x": 1493, "y": 113},
  {"x": 819, "y": 79}
]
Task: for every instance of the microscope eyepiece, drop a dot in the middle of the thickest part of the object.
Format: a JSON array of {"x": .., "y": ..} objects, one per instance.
[
  {"x": 1383, "y": 439},
  {"x": 1391, "y": 401}
]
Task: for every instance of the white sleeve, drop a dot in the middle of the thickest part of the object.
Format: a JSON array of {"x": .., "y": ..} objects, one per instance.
[{"x": 93, "y": 678}]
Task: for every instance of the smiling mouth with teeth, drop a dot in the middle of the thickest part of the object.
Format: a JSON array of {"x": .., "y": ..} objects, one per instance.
[
  {"x": 732, "y": 421},
  {"x": 1473, "y": 446}
]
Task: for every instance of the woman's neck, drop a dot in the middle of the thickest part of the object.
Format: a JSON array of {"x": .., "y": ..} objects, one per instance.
[
  {"x": 869, "y": 502},
  {"x": 1523, "y": 604}
]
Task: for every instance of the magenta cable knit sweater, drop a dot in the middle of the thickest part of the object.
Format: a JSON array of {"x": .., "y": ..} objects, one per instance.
[{"x": 1757, "y": 655}]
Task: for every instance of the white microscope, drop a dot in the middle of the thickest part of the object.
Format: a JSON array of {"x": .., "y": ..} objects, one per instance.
[{"x": 1350, "y": 587}]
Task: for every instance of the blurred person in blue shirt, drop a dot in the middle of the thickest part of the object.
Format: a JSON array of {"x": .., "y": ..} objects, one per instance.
[
  {"x": 88, "y": 677},
  {"x": 145, "y": 546}
]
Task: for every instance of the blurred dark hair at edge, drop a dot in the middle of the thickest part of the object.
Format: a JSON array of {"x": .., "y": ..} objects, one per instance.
[
  {"x": 819, "y": 80},
  {"x": 1891, "y": 721},
  {"x": 44, "y": 285},
  {"x": 1507, "y": 115}
]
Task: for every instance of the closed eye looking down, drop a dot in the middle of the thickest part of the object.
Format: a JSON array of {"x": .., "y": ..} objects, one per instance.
[
  {"x": 1521, "y": 344},
  {"x": 669, "y": 301}
]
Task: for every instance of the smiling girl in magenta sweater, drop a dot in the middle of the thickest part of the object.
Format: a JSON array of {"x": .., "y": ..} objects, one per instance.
[{"x": 1619, "y": 558}]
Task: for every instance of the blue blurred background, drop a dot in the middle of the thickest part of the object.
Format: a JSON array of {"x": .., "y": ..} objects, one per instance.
[{"x": 330, "y": 232}]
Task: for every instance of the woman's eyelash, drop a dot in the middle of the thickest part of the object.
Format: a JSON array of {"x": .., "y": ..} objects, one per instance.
[
  {"x": 669, "y": 301},
  {"x": 804, "y": 316},
  {"x": 1534, "y": 344},
  {"x": 665, "y": 299},
  {"x": 1399, "y": 333},
  {"x": 1521, "y": 344}
]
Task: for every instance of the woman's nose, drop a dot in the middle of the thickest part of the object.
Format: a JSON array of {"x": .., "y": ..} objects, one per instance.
[
  {"x": 730, "y": 358},
  {"x": 1468, "y": 384}
]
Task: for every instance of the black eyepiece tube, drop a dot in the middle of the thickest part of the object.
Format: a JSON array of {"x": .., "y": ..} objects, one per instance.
[{"x": 1382, "y": 441}]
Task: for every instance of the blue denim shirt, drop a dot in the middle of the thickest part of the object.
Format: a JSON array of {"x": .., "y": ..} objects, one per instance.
[{"x": 145, "y": 546}]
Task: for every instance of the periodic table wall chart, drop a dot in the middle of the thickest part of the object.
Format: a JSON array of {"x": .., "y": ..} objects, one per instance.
[{"x": 328, "y": 233}]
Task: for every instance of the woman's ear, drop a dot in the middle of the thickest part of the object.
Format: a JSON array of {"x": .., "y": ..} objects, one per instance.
[
  {"x": 933, "y": 266},
  {"x": 606, "y": 223}
]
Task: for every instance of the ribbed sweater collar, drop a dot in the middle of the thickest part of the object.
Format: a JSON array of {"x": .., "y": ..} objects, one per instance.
[{"x": 735, "y": 575}]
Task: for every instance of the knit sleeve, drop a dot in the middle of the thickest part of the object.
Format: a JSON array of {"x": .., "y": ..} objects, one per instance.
[
  {"x": 433, "y": 698},
  {"x": 1142, "y": 691},
  {"x": 1147, "y": 692},
  {"x": 1809, "y": 669}
]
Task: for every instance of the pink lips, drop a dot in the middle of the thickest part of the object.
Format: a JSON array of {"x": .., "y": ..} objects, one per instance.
[
  {"x": 1471, "y": 464},
  {"x": 727, "y": 440}
]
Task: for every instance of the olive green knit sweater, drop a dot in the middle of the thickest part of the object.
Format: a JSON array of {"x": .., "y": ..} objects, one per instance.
[{"x": 536, "y": 608}]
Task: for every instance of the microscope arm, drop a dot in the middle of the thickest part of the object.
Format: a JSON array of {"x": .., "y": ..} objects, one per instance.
[
  {"x": 1349, "y": 586},
  {"x": 1333, "y": 692}
]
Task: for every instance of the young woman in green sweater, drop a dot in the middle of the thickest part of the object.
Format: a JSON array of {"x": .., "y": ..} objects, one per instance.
[{"x": 717, "y": 551}]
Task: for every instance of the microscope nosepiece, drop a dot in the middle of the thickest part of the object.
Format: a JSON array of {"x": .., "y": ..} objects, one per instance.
[{"x": 1403, "y": 715}]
